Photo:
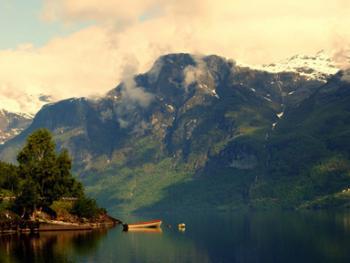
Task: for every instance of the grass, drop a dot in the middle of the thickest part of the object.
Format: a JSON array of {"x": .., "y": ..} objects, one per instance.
[{"x": 128, "y": 188}]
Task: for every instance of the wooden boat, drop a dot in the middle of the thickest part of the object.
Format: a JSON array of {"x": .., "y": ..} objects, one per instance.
[{"x": 148, "y": 224}]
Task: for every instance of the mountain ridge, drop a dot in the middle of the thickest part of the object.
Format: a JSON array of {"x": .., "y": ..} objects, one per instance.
[{"x": 319, "y": 66}]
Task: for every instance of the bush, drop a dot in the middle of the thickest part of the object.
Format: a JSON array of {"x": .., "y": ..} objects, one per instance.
[{"x": 86, "y": 207}]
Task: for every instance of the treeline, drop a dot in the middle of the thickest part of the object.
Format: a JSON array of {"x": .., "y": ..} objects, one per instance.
[{"x": 41, "y": 177}]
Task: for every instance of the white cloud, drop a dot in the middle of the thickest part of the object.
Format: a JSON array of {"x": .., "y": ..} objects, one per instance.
[
  {"x": 131, "y": 93},
  {"x": 342, "y": 57},
  {"x": 91, "y": 61},
  {"x": 254, "y": 31},
  {"x": 81, "y": 64},
  {"x": 346, "y": 75},
  {"x": 196, "y": 73}
]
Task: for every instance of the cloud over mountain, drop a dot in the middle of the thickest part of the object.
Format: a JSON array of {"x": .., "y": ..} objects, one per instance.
[{"x": 90, "y": 61}]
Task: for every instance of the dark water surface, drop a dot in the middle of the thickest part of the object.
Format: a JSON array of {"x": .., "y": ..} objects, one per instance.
[{"x": 235, "y": 237}]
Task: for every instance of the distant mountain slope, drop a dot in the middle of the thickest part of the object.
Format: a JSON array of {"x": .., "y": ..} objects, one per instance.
[
  {"x": 309, "y": 151},
  {"x": 17, "y": 110},
  {"x": 200, "y": 132},
  {"x": 12, "y": 124}
]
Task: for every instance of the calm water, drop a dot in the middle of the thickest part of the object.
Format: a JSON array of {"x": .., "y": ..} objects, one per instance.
[{"x": 248, "y": 237}]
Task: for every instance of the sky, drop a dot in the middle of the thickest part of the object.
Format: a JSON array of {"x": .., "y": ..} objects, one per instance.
[
  {"x": 72, "y": 48},
  {"x": 20, "y": 23}
]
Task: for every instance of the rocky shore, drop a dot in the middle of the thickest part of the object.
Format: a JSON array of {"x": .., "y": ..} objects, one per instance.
[{"x": 10, "y": 223}]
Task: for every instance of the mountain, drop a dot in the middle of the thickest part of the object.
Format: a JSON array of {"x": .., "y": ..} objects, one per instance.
[
  {"x": 17, "y": 111},
  {"x": 12, "y": 124},
  {"x": 319, "y": 66},
  {"x": 204, "y": 132},
  {"x": 311, "y": 146}
]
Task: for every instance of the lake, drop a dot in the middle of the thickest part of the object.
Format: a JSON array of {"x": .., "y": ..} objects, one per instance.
[{"x": 209, "y": 237}]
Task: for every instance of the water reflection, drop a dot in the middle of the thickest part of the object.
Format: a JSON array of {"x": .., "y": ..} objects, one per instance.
[
  {"x": 48, "y": 246},
  {"x": 209, "y": 237},
  {"x": 276, "y": 237},
  {"x": 145, "y": 230}
]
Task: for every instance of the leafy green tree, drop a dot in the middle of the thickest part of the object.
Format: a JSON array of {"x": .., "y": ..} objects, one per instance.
[
  {"x": 86, "y": 207},
  {"x": 29, "y": 198},
  {"x": 66, "y": 184},
  {"x": 37, "y": 161},
  {"x": 9, "y": 179},
  {"x": 51, "y": 173}
]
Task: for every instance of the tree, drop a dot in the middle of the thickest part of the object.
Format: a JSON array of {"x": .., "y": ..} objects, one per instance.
[
  {"x": 67, "y": 185},
  {"x": 9, "y": 179},
  {"x": 29, "y": 198},
  {"x": 49, "y": 172},
  {"x": 86, "y": 207}
]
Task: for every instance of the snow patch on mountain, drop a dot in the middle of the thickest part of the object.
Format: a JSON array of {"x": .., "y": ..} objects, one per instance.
[
  {"x": 12, "y": 124},
  {"x": 318, "y": 67},
  {"x": 280, "y": 115}
]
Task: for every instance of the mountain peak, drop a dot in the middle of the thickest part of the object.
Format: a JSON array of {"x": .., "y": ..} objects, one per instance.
[{"x": 173, "y": 59}]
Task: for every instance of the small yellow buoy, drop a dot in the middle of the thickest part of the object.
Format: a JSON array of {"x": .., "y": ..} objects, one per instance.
[{"x": 181, "y": 227}]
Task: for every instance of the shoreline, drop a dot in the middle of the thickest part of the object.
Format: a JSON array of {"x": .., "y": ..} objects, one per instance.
[{"x": 31, "y": 226}]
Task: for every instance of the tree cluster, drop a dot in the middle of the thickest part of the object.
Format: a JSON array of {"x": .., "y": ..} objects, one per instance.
[{"x": 42, "y": 176}]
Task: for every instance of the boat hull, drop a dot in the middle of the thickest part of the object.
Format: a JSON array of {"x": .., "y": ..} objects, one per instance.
[{"x": 148, "y": 224}]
